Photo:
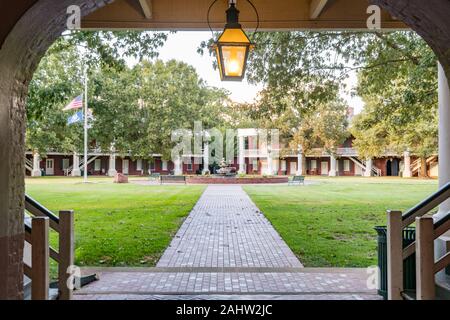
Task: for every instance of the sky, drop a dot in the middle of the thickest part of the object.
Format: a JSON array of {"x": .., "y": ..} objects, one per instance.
[{"x": 183, "y": 46}]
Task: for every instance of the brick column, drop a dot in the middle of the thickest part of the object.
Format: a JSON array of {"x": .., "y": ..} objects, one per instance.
[
  {"x": 299, "y": 162},
  {"x": 241, "y": 154},
  {"x": 332, "y": 172},
  {"x": 407, "y": 165},
  {"x": 368, "y": 172},
  {"x": 112, "y": 165},
  {"x": 36, "y": 165},
  {"x": 76, "y": 172}
]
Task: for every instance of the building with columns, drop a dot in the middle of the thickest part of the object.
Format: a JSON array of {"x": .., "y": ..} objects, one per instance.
[{"x": 262, "y": 160}]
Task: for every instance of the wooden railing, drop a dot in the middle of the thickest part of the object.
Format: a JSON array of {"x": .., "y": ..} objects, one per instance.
[
  {"x": 37, "y": 235},
  {"x": 427, "y": 230}
]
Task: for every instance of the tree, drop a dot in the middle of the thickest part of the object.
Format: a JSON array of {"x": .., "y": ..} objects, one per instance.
[
  {"x": 401, "y": 98},
  {"x": 138, "y": 108},
  {"x": 59, "y": 78},
  {"x": 397, "y": 79},
  {"x": 55, "y": 83}
]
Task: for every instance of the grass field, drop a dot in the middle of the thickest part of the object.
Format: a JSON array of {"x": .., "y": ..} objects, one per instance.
[
  {"x": 117, "y": 224},
  {"x": 331, "y": 223}
]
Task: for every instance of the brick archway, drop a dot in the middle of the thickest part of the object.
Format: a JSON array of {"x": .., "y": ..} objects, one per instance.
[
  {"x": 430, "y": 19},
  {"x": 20, "y": 54}
]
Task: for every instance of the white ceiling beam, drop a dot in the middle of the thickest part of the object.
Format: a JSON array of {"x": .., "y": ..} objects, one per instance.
[
  {"x": 316, "y": 8},
  {"x": 146, "y": 6}
]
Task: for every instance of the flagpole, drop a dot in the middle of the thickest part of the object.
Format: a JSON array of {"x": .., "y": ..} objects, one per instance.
[{"x": 85, "y": 115}]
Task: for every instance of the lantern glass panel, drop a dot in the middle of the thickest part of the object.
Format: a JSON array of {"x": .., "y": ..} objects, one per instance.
[{"x": 234, "y": 60}]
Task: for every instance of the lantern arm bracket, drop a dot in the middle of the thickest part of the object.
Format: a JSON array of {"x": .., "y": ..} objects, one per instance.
[{"x": 232, "y": 2}]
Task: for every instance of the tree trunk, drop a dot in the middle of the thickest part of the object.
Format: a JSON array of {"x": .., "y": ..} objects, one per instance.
[{"x": 423, "y": 173}]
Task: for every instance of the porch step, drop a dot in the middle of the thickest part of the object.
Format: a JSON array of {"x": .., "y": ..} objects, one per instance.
[
  {"x": 52, "y": 293},
  {"x": 443, "y": 287},
  {"x": 442, "y": 290}
]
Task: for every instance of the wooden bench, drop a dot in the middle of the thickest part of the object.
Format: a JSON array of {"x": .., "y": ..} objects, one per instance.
[
  {"x": 172, "y": 179},
  {"x": 154, "y": 176},
  {"x": 297, "y": 180}
]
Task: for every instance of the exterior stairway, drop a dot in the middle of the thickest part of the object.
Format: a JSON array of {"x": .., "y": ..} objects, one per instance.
[
  {"x": 431, "y": 270},
  {"x": 37, "y": 251}
]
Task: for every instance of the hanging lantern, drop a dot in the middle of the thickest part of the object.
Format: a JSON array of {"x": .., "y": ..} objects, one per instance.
[{"x": 232, "y": 48}]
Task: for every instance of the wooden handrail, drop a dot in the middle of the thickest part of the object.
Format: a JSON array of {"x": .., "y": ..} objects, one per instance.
[
  {"x": 42, "y": 251},
  {"x": 426, "y": 205},
  {"x": 39, "y": 259},
  {"x": 396, "y": 253}
]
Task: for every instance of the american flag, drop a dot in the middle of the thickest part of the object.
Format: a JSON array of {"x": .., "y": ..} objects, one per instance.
[{"x": 75, "y": 104}]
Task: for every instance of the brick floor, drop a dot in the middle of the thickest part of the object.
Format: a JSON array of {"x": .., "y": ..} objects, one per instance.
[
  {"x": 227, "y": 249},
  {"x": 344, "y": 296},
  {"x": 226, "y": 229},
  {"x": 310, "y": 281}
]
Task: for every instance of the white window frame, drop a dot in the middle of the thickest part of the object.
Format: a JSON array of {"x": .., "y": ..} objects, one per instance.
[
  {"x": 346, "y": 165},
  {"x": 139, "y": 164},
  {"x": 164, "y": 165},
  {"x": 313, "y": 164},
  {"x": 97, "y": 164},
  {"x": 65, "y": 163},
  {"x": 189, "y": 166},
  {"x": 283, "y": 165}
]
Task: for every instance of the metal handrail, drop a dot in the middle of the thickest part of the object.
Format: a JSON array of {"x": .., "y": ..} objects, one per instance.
[{"x": 426, "y": 205}]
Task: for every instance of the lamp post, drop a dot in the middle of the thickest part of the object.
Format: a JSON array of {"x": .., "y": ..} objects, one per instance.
[{"x": 232, "y": 48}]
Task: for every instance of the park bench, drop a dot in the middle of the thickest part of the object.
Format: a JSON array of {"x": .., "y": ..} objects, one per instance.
[
  {"x": 154, "y": 176},
  {"x": 173, "y": 179},
  {"x": 297, "y": 180}
]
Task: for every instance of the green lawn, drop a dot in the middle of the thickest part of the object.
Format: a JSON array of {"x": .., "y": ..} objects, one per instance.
[
  {"x": 331, "y": 223},
  {"x": 117, "y": 224}
]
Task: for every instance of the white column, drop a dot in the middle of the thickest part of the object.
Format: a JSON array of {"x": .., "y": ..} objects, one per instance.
[
  {"x": 76, "y": 172},
  {"x": 332, "y": 172},
  {"x": 407, "y": 165},
  {"x": 206, "y": 158},
  {"x": 299, "y": 163},
  {"x": 444, "y": 135},
  {"x": 269, "y": 164},
  {"x": 444, "y": 152},
  {"x": 112, "y": 165},
  {"x": 178, "y": 169},
  {"x": 241, "y": 154},
  {"x": 36, "y": 166},
  {"x": 368, "y": 172}
]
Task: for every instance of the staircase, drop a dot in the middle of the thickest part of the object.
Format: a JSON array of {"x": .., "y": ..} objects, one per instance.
[
  {"x": 69, "y": 170},
  {"x": 37, "y": 251},
  {"x": 415, "y": 166},
  {"x": 28, "y": 165},
  {"x": 375, "y": 171},
  {"x": 431, "y": 280}
]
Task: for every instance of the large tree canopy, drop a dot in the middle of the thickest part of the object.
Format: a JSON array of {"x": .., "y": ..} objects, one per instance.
[
  {"x": 302, "y": 71},
  {"x": 135, "y": 108},
  {"x": 401, "y": 98}
]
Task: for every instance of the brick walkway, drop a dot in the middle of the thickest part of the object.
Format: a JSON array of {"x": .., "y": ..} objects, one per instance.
[
  {"x": 226, "y": 247},
  {"x": 226, "y": 229}
]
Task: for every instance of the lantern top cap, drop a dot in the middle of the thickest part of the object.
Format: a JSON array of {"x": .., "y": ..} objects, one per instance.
[
  {"x": 234, "y": 36},
  {"x": 233, "y": 17}
]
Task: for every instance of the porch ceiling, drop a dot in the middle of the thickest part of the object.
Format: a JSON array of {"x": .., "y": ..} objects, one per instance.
[{"x": 191, "y": 15}]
